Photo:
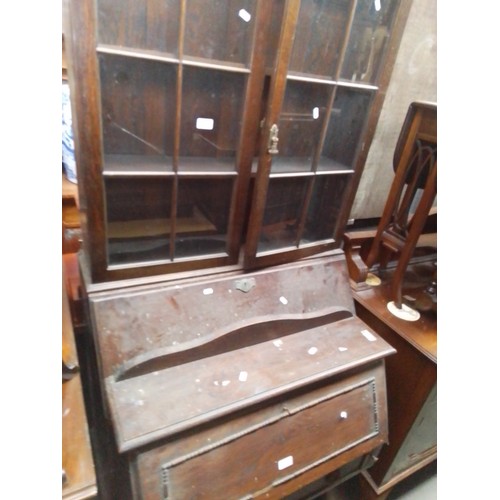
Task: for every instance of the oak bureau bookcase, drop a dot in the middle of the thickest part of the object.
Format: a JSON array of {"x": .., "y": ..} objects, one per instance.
[{"x": 219, "y": 146}]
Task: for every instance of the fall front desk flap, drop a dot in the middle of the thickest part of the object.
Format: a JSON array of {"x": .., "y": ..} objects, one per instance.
[{"x": 177, "y": 355}]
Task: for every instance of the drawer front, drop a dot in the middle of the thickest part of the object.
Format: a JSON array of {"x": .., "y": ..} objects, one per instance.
[{"x": 256, "y": 459}]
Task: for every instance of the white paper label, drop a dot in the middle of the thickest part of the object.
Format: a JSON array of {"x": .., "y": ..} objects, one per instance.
[
  {"x": 377, "y": 5},
  {"x": 208, "y": 291},
  {"x": 243, "y": 376},
  {"x": 283, "y": 301},
  {"x": 369, "y": 335},
  {"x": 204, "y": 123},
  {"x": 312, "y": 351},
  {"x": 315, "y": 113},
  {"x": 285, "y": 462},
  {"x": 245, "y": 15}
]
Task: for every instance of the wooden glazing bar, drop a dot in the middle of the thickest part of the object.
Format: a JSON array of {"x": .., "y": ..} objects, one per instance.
[
  {"x": 282, "y": 60},
  {"x": 304, "y": 210},
  {"x": 250, "y": 128},
  {"x": 177, "y": 138},
  {"x": 178, "y": 109},
  {"x": 345, "y": 43},
  {"x": 276, "y": 97},
  {"x": 324, "y": 128},
  {"x": 173, "y": 219}
]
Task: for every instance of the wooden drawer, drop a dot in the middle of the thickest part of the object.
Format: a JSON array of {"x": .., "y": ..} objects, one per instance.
[
  {"x": 259, "y": 453},
  {"x": 277, "y": 450}
]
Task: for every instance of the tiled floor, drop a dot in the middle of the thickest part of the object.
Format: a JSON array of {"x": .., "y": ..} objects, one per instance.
[{"x": 420, "y": 486}]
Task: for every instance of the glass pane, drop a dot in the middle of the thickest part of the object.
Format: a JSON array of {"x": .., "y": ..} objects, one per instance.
[
  {"x": 202, "y": 216},
  {"x": 323, "y": 210},
  {"x": 300, "y": 124},
  {"x": 285, "y": 199},
  {"x": 319, "y": 35},
  {"x": 219, "y": 30},
  {"x": 212, "y": 106},
  {"x": 138, "y": 219},
  {"x": 347, "y": 120},
  {"x": 139, "y": 24},
  {"x": 369, "y": 36},
  {"x": 138, "y": 117}
]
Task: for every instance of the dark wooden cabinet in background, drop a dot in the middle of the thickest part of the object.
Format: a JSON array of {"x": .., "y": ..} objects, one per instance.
[{"x": 219, "y": 146}]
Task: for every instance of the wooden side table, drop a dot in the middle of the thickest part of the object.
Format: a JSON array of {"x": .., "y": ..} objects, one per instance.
[{"x": 411, "y": 384}]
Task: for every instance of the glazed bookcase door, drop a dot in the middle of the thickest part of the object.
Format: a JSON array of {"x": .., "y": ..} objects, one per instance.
[
  {"x": 320, "y": 102},
  {"x": 205, "y": 127},
  {"x": 174, "y": 81},
  {"x": 172, "y": 98}
]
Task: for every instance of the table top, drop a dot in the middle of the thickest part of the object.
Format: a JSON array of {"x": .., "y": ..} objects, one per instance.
[{"x": 422, "y": 334}]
